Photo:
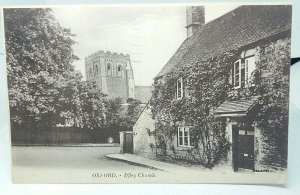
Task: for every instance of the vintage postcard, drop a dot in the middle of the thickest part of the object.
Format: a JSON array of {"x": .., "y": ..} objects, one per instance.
[{"x": 169, "y": 93}]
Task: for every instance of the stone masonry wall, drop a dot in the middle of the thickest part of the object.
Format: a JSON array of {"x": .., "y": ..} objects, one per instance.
[{"x": 143, "y": 138}]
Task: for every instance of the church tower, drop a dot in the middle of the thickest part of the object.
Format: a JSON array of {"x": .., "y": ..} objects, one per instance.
[
  {"x": 195, "y": 17},
  {"x": 112, "y": 72}
]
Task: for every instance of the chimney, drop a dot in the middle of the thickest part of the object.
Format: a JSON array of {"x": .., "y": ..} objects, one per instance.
[{"x": 195, "y": 17}]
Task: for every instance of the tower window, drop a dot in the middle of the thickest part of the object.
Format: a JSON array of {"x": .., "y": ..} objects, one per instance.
[
  {"x": 108, "y": 69},
  {"x": 95, "y": 67},
  {"x": 119, "y": 70},
  {"x": 91, "y": 73}
]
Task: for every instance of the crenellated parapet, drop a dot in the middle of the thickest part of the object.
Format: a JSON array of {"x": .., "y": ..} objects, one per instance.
[{"x": 108, "y": 54}]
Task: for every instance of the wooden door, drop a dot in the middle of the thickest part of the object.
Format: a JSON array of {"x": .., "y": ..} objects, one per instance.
[
  {"x": 246, "y": 152},
  {"x": 128, "y": 142},
  {"x": 243, "y": 147}
]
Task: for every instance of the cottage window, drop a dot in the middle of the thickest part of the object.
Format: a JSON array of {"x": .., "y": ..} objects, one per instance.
[
  {"x": 249, "y": 69},
  {"x": 237, "y": 74},
  {"x": 183, "y": 136},
  {"x": 179, "y": 88}
]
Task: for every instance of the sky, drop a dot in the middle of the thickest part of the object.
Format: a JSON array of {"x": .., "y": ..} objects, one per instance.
[{"x": 149, "y": 34}]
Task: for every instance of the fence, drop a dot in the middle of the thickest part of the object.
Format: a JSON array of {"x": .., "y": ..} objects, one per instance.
[{"x": 59, "y": 135}]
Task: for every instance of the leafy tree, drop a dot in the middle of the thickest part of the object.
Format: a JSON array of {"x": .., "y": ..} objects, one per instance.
[
  {"x": 93, "y": 112},
  {"x": 133, "y": 111},
  {"x": 44, "y": 88},
  {"x": 121, "y": 116}
]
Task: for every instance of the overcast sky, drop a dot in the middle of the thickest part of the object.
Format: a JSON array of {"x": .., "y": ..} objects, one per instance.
[{"x": 149, "y": 34}]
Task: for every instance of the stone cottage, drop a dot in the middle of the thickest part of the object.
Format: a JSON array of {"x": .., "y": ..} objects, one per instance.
[{"x": 250, "y": 36}]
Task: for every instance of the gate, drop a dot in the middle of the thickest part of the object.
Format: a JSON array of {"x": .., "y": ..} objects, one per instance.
[{"x": 126, "y": 142}]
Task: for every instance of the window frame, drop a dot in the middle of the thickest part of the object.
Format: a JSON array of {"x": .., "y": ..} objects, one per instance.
[
  {"x": 91, "y": 73},
  {"x": 247, "y": 68},
  {"x": 96, "y": 68},
  {"x": 234, "y": 74},
  {"x": 119, "y": 70},
  {"x": 109, "y": 69},
  {"x": 182, "y": 129},
  {"x": 181, "y": 89}
]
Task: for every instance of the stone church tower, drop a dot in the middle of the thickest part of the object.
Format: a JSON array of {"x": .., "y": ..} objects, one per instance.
[{"x": 112, "y": 72}]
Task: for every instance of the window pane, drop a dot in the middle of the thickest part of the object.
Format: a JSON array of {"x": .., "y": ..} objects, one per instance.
[
  {"x": 242, "y": 132},
  {"x": 246, "y": 71},
  {"x": 180, "y": 132},
  {"x": 243, "y": 77},
  {"x": 180, "y": 141},
  {"x": 237, "y": 74},
  {"x": 251, "y": 67},
  {"x": 186, "y": 141},
  {"x": 186, "y": 130},
  {"x": 180, "y": 136},
  {"x": 179, "y": 88}
]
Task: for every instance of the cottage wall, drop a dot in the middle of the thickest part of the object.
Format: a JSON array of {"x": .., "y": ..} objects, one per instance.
[{"x": 143, "y": 135}]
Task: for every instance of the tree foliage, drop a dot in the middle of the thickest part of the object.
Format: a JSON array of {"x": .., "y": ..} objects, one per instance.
[
  {"x": 120, "y": 116},
  {"x": 44, "y": 88}
]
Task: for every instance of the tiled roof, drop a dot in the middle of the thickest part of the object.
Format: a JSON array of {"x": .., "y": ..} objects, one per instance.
[
  {"x": 239, "y": 106},
  {"x": 143, "y": 93},
  {"x": 240, "y": 27}
]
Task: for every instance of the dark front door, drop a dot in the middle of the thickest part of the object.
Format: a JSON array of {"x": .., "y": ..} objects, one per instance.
[
  {"x": 246, "y": 151},
  {"x": 128, "y": 142},
  {"x": 243, "y": 148}
]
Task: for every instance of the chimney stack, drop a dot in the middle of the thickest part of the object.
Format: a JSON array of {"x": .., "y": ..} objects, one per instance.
[{"x": 195, "y": 17}]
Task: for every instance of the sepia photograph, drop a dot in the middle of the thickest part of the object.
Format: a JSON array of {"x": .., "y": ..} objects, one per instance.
[{"x": 162, "y": 93}]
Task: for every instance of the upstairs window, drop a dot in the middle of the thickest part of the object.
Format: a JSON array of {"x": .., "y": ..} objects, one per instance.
[
  {"x": 242, "y": 72},
  {"x": 183, "y": 136},
  {"x": 249, "y": 69},
  {"x": 179, "y": 88},
  {"x": 237, "y": 74}
]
